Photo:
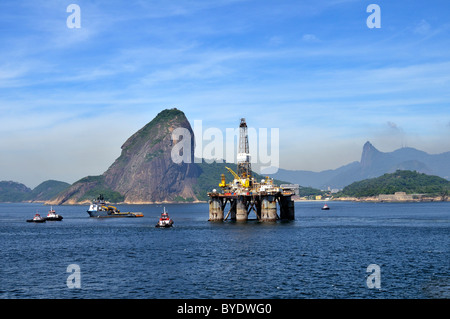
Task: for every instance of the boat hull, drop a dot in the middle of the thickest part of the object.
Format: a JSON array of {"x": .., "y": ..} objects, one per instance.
[
  {"x": 97, "y": 213},
  {"x": 163, "y": 226},
  {"x": 108, "y": 214},
  {"x": 54, "y": 218},
  {"x": 35, "y": 220}
]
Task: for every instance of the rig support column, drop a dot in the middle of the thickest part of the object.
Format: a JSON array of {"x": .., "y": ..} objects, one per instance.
[
  {"x": 287, "y": 209},
  {"x": 232, "y": 211},
  {"x": 241, "y": 209},
  {"x": 269, "y": 208},
  {"x": 291, "y": 207},
  {"x": 215, "y": 209}
]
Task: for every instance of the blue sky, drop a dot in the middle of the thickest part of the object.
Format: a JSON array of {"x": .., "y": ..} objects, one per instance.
[{"x": 69, "y": 98}]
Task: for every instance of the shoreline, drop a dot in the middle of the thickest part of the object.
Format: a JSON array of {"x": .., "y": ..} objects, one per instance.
[
  {"x": 84, "y": 203},
  {"x": 343, "y": 199},
  {"x": 378, "y": 200}
]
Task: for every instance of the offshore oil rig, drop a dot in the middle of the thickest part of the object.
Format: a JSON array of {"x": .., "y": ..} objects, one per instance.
[{"x": 245, "y": 194}]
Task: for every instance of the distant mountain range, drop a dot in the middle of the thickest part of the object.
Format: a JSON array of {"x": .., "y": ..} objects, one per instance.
[
  {"x": 145, "y": 173},
  {"x": 374, "y": 163}
]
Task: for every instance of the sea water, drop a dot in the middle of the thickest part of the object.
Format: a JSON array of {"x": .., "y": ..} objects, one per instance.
[{"x": 321, "y": 254}]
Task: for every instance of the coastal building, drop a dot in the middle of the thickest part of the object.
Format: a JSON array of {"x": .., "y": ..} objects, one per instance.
[{"x": 397, "y": 197}]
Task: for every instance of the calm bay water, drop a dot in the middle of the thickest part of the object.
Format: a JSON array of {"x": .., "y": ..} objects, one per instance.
[{"x": 322, "y": 254}]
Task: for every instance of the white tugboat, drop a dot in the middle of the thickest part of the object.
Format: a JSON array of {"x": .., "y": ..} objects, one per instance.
[
  {"x": 164, "y": 221},
  {"x": 36, "y": 219},
  {"x": 52, "y": 215}
]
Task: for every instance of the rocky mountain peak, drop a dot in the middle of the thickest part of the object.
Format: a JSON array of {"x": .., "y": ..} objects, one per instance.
[
  {"x": 162, "y": 125},
  {"x": 144, "y": 172},
  {"x": 146, "y": 160},
  {"x": 369, "y": 154}
]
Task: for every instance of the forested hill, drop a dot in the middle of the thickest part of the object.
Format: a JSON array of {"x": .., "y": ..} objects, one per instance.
[
  {"x": 410, "y": 182},
  {"x": 17, "y": 192}
]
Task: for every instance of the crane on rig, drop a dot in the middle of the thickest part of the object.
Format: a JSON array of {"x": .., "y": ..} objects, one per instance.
[{"x": 244, "y": 182}]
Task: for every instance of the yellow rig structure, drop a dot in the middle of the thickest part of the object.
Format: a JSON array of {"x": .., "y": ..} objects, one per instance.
[{"x": 245, "y": 194}]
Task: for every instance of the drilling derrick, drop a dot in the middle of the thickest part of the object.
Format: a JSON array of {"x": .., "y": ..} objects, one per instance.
[{"x": 244, "y": 169}]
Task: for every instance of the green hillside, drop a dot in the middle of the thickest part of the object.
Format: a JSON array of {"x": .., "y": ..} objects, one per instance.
[
  {"x": 47, "y": 190},
  {"x": 409, "y": 182},
  {"x": 14, "y": 192}
]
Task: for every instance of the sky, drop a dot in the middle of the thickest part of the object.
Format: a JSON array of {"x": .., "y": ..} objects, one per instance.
[{"x": 313, "y": 69}]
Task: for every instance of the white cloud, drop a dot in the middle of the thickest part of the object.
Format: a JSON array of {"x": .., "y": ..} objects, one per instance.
[
  {"x": 310, "y": 38},
  {"x": 422, "y": 28}
]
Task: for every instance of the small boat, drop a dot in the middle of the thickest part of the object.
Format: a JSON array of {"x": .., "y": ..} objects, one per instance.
[
  {"x": 164, "y": 221},
  {"x": 36, "y": 219},
  {"x": 52, "y": 215},
  {"x": 325, "y": 207}
]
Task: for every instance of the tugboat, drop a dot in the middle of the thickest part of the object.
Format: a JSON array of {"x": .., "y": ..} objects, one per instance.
[
  {"x": 52, "y": 215},
  {"x": 164, "y": 221},
  {"x": 99, "y": 208},
  {"x": 36, "y": 219},
  {"x": 325, "y": 207}
]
